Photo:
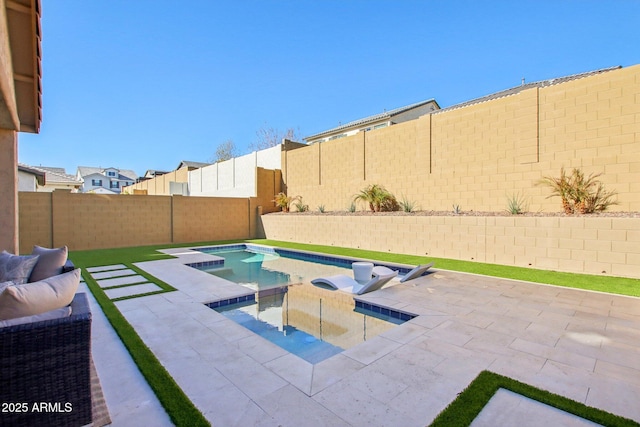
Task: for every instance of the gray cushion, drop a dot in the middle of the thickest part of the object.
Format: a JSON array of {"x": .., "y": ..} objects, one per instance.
[
  {"x": 16, "y": 268},
  {"x": 39, "y": 297},
  {"x": 50, "y": 262},
  {"x": 58, "y": 313}
]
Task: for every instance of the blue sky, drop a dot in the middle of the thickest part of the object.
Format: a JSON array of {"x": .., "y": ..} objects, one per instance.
[{"x": 146, "y": 84}]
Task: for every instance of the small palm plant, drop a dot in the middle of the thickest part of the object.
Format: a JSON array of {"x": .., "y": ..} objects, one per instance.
[
  {"x": 284, "y": 202},
  {"x": 579, "y": 194},
  {"x": 560, "y": 187},
  {"x": 378, "y": 198}
]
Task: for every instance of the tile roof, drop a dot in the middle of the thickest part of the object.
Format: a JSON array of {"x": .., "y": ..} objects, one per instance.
[
  {"x": 123, "y": 174},
  {"x": 374, "y": 118},
  {"x": 517, "y": 89},
  {"x": 54, "y": 175}
]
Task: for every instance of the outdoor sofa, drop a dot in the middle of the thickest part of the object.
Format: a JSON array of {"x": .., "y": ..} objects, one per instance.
[{"x": 45, "y": 358}]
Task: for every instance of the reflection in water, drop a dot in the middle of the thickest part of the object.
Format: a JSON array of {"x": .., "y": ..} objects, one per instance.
[{"x": 311, "y": 322}]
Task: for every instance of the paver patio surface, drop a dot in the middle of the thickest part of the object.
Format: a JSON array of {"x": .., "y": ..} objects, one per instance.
[{"x": 579, "y": 344}]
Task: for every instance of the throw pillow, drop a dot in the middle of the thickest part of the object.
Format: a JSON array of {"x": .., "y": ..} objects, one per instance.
[
  {"x": 50, "y": 262},
  {"x": 16, "y": 268},
  {"x": 39, "y": 297},
  {"x": 5, "y": 284}
]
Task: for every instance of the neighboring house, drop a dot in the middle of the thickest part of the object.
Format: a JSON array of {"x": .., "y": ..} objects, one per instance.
[
  {"x": 150, "y": 174},
  {"x": 191, "y": 165},
  {"x": 104, "y": 180},
  {"x": 54, "y": 179},
  {"x": 377, "y": 121},
  {"x": 29, "y": 179}
]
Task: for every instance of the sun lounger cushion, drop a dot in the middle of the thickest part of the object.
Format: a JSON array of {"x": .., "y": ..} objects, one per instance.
[
  {"x": 29, "y": 299},
  {"x": 16, "y": 268},
  {"x": 50, "y": 262},
  {"x": 345, "y": 283}
]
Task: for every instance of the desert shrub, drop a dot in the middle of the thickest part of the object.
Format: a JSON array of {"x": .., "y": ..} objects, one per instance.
[
  {"x": 321, "y": 209},
  {"x": 457, "y": 209}
]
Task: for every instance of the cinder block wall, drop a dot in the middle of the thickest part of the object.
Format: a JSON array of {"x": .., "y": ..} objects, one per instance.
[
  {"x": 596, "y": 245},
  {"x": 95, "y": 221},
  {"x": 480, "y": 155}
]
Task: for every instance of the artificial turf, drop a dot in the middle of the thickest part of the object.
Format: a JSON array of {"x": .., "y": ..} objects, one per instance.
[
  {"x": 613, "y": 285},
  {"x": 466, "y": 407}
]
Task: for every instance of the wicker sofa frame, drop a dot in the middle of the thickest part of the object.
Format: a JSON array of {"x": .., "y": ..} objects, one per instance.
[{"x": 45, "y": 370}]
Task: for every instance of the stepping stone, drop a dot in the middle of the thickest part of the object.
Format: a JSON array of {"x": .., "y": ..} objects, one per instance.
[
  {"x": 113, "y": 273},
  {"x": 132, "y": 290},
  {"x": 106, "y": 268},
  {"x": 119, "y": 281}
]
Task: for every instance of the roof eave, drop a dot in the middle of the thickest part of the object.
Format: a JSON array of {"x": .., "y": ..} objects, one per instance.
[{"x": 24, "y": 34}]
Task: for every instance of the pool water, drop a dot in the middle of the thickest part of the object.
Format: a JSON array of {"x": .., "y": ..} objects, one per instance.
[
  {"x": 260, "y": 271},
  {"x": 310, "y": 322}
]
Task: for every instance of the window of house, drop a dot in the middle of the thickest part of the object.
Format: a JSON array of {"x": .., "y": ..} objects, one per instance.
[
  {"x": 382, "y": 125},
  {"x": 111, "y": 173},
  {"x": 96, "y": 182},
  {"x": 115, "y": 184}
]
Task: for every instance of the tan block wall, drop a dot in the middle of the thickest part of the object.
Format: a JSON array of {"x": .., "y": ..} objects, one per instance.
[
  {"x": 36, "y": 222},
  {"x": 95, "y": 221},
  {"x": 158, "y": 186},
  {"x": 9, "y": 219},
  {"x": 480, "y": 155},
  {"x": 197, "y": 219},
  {"x": 597, "y": 245}
]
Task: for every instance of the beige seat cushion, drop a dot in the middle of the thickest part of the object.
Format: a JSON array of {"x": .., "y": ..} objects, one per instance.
[
  {"x": 50, "y": 262},
  {"x": 39, "y": 297}
]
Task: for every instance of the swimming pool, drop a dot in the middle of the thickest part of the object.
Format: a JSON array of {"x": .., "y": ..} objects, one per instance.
[{"x": 310, "y": 322}]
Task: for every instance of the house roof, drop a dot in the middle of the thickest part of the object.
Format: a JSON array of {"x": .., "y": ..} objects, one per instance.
[
  {"x": 57, "y": 175},
  {"x": 21, "y": 95},
  {"x": 190, "y": 164},
  {"x": 374, "y": 118},
  {"x": 525, "y": 86},
  {"x": 40, "y": 175},
  {"x": 123, "y": 174}
]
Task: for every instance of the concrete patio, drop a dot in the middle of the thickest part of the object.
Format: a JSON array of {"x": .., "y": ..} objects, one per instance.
[{"x": 579, "y": 344}]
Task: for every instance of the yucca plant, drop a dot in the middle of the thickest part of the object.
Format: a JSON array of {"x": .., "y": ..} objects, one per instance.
[
  {"x": 321, "y": 209},
  {"x": 407, "y": 205},
  {"x": 516, "y": 204}
]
